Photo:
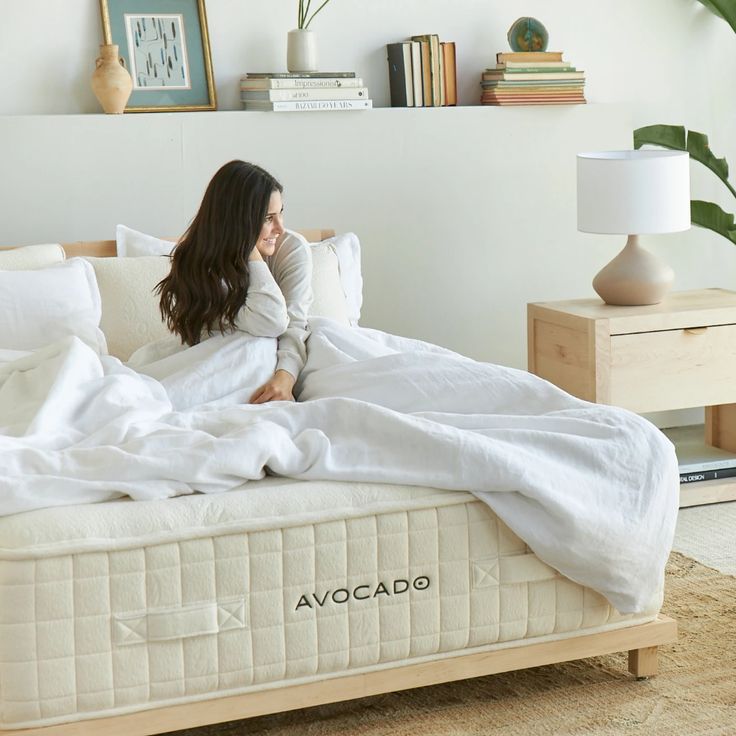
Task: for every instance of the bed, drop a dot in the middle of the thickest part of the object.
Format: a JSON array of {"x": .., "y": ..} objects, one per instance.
[{"x": 147, "y": 616}]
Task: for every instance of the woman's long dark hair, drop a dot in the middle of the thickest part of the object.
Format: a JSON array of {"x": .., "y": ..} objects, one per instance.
[{"x": 208, "y": 281}]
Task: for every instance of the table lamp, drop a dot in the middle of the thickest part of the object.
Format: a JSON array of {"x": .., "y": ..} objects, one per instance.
[{"x": 633, "y": 193}]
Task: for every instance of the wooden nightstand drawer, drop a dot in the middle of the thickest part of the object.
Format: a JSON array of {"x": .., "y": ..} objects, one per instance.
[
  {"x": 674, "y": 355},
  {"x": 673, "y": 369}
]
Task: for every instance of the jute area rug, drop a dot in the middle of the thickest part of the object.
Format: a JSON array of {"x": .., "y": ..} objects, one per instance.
[{"x": 695, "y": 692}]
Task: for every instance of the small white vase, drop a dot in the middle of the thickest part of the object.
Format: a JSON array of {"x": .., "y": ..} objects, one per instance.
[{"x": 301, "y": 51}]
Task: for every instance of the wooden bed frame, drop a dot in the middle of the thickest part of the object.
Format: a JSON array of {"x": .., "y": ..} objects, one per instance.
[
  {"x": 104, "y": 248},
  {"x": 641, "y": 641}
]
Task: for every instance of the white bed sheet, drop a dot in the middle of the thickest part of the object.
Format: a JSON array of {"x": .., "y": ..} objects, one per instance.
[{"x": 591, "y": 489}]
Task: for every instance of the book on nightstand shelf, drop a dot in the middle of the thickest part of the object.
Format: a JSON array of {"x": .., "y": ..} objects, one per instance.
[
  {"x": 707, "y": 475},
  {"x": 695, "y": 458},
  {"x": 303, "y": 91}
]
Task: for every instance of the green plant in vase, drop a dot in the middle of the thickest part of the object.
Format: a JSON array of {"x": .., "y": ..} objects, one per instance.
[
  {"x": 301, "y": 48},
  {"x": 676, "y": 137},
  {"x": 303, "y": 16}
]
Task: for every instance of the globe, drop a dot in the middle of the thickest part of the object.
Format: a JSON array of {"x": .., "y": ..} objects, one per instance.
[{"x": 528, "y": 34}]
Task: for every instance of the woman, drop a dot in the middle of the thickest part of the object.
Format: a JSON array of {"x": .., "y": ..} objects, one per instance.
[{"x": 236, "y": 268}]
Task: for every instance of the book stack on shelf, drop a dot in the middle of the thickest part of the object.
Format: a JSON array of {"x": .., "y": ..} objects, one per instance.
[
  {"x": 422, "y": 72},
  {"x": 697, "y": 460},
  {"x": 532, "y": 78},
  {"x": 303, "y": 91}
]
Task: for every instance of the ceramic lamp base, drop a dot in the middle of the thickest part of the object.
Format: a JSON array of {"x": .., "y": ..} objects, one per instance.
[{"x": 634, "y": 277}]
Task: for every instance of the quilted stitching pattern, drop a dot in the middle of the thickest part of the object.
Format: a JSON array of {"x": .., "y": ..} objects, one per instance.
[{"x": 291, "y": 603}]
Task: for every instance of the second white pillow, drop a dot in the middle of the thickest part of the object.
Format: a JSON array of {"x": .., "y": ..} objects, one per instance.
[
  {"x": 46, "y": 304},
  {"x": 133, "y": 244}
]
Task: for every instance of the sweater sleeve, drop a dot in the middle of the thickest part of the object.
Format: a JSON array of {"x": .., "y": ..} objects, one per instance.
[
  {"x": 291, "y": 266},
  {"x": 264, "y": 312}
]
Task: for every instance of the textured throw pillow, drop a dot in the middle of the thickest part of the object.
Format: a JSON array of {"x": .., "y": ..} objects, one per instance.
[
  {"x": 133, "y": 244},
  {"x": 130, "y": 313},
  {"x": 347, "y": 249},
  {"x": 31, "y": 256},
  {"x": 46, "y": 304}
]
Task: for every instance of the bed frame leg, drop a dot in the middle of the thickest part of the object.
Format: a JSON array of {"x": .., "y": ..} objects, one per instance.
[{"x": 643, "y": 662}]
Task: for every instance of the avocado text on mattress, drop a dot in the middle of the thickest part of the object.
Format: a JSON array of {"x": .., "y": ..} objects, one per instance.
[{"x": 362, "y": 592}]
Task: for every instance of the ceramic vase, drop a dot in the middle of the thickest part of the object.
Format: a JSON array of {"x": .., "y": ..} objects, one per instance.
[
  {"x": 301, "y": 51},
  {"x": 111, "y": 82}
]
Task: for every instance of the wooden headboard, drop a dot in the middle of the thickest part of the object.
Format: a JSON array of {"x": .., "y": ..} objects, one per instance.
[{"x": 104, "y": 248}]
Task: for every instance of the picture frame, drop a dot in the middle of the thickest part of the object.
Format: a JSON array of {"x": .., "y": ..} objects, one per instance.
[{"x": 165, "y": 46}]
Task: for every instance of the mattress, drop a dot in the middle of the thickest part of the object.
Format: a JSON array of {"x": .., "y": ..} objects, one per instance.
[{"x": 116, "y": 607}]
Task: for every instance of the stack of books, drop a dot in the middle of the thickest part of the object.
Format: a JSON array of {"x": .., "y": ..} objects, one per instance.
[
  {"x": 532, "y": 78},
  {"x": 303, "y": 91},
  {"x": 422, "y": 72},
  {"x": 697, "y": 460}
]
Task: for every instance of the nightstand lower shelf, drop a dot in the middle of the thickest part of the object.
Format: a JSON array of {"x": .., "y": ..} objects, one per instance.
[{"x": 707, "y": 491}]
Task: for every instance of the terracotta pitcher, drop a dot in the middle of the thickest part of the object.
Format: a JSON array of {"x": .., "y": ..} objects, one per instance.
[{"x": 111, "y": 81}]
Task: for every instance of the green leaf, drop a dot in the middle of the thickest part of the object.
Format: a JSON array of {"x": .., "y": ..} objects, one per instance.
[
  {"x": 725, "y": 9},
  {"x": 697, "y": 145},
  {"x": 666, "y": 136},
  {"x": 677, "y": 138},
  {"x": 712, "y": 217}
]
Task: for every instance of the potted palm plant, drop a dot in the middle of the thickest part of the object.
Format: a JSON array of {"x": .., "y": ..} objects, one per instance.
[
  {"x": 301, "y": 51},
  {"x": 676, "y": 137}
]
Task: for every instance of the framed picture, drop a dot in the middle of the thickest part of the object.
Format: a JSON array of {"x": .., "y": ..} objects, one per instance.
[{"x": 166, "y": 48}]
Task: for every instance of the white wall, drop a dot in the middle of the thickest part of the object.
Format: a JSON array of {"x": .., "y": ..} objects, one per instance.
[{"x": 465, "y": 214}]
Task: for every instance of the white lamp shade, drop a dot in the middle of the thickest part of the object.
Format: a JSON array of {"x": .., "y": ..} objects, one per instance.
[{"x": 633, "y": 192}]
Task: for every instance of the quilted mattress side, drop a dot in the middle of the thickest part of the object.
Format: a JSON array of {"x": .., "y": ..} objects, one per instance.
[{"x": 103, "y": 632}]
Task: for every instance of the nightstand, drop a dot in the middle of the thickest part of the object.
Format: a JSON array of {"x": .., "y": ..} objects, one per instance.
[{"x": 678, "y": 354}]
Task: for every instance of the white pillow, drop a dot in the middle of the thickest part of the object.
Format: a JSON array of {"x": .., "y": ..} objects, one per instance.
[
  {"x": 130, "y": 312},
  {"x": 329, "y": 299},
  {"x": 132, "y": 244},
  {"x": 46, "y": 304},
  {"x": 31, "y": 256},
  {"x": 347, "y": 248}
]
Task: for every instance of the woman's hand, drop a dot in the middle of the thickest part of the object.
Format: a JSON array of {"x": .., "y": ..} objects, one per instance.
[{"x": 279, "y": 388}]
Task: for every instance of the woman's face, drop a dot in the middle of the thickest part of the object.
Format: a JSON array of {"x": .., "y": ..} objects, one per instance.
[{"x": 273, "y": 226}]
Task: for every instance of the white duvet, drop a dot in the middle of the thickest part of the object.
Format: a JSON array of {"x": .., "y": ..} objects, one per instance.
[{"x": 592, "y": 489}]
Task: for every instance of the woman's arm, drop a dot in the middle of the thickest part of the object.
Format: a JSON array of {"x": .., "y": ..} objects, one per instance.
[
  {"x": 291, "y": 266},
  {"x": 264, "y": 312},
  {"x": 292, "y": 269}
]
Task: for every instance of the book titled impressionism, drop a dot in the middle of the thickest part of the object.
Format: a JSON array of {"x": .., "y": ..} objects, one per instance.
[{"x": 263, "y": 83}]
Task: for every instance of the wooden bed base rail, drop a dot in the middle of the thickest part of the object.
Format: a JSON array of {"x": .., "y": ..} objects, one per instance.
[{"x": 641, "y": 641}]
